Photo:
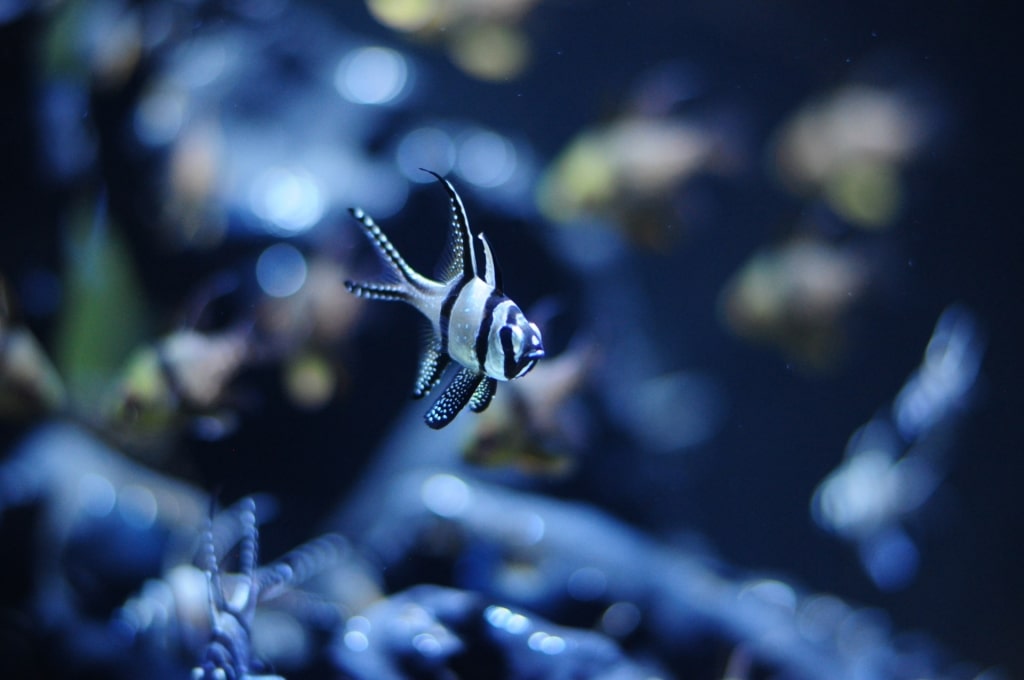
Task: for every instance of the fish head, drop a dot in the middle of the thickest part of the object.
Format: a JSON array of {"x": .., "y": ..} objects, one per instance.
[{"x": 520, "y": 344}]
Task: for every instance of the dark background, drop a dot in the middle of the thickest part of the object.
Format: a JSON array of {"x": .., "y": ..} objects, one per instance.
[{"x": 748, "y": 493}]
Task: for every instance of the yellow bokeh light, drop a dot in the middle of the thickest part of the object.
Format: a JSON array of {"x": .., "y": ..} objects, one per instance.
[
  {"x": 581, "y": 179},
  {"x": 310, "y": 380},
  {"x": 490, "y": 51},
  {"x": 404, "y": 15}
]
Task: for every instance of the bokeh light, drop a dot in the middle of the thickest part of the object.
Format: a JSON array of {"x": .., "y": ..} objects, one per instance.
[
  {"x": 281, "y": 270},
  {"x": 490, "y": 51},
  {"x": 425, "y": 147},
  {"x": 137, "y": 506},
  {"x": 289, "y": 199},
  {"x": 372, "y": 75},
  {"x": 404, "y": 15},
  {"x": 486, "y": 158},
  {"x": 160, "y": 115},
  {"x": 446, "y": 495},
  {"x": 310, "y": 381}
]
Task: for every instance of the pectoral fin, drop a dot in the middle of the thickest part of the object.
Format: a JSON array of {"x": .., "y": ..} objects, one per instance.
[
  {"x": 432, "y": 366},
  {"x": 454, "y": 398}
]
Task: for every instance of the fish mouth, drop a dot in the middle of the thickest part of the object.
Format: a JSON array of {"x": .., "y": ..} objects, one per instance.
[{"x": 528, "y": 361}]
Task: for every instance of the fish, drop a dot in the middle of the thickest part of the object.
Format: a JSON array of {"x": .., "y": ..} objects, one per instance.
[
  {"x": 799, "y": 297},
  {"x": 474, "y": 323},
  {"x": 180, "y": 382}
]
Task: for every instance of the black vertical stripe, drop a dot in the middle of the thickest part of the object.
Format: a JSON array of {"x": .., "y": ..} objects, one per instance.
[
  {"x": 483, "y": 332},
  {"x": 506, "y": 342},
  {"x": 445, "y": 319},
  {"x": 506, "y": 350}
]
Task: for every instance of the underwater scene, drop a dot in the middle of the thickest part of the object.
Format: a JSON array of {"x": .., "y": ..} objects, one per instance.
[{"x": 526, "y": 339}]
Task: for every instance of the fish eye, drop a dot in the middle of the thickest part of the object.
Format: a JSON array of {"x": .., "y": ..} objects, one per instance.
[{"x": 536, "y": 337}]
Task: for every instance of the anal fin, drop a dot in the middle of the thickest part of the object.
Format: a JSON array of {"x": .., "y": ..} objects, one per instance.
[
  {"x": 454, "y": 398},
  {"x": 481, "y": 398}
]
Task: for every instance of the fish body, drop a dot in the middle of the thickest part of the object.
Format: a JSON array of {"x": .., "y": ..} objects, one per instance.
[{"x": 474, "y": 323}]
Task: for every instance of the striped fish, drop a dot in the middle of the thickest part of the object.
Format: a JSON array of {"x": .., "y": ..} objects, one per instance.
[{"x": 474, "y": 323}]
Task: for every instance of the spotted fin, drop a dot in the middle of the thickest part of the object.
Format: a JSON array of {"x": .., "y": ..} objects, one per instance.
[
  {"x": 459, "y": 261},
  {"x": 481, "y": 398},
  {"x": 432, "y": 366},
  {"x": 207, "y": 562},
  {"x": 406, "y": 280},
  {"x": 248, "y": 546},
  {"x": 249, "y": 542},
  {"x": 454, "y": 398},
  {"x": 378, "y": 291}
]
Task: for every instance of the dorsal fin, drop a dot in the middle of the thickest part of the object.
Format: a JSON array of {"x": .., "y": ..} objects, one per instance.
[
  {"x": 460, "y": 257},
  {"x": 491, "y": 273}
]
